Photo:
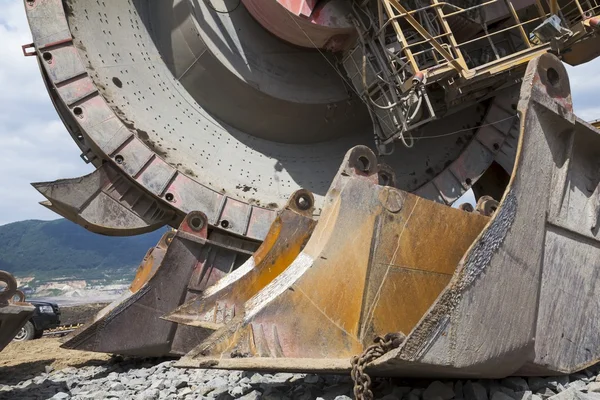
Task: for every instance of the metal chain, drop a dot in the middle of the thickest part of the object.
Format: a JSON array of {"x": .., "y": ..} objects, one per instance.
[{"x": 362, "y": 381}]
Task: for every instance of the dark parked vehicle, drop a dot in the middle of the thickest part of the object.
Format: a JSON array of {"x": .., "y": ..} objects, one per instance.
[{"x": 46, "y": 316}]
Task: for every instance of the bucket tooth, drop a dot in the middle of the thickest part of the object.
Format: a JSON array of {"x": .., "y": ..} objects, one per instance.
[
  {"x": 224, "y": 300},
  {"x": 132, "y": 325},
  {"x": 475, "y": 296},
  {"x": 105, "y": 202}
]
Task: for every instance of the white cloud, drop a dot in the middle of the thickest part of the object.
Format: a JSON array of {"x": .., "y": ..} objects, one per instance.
[
  {"x": 467, "y": 197},
  {"x": 585, "y": 87},
  {"x": 34, "y": 145}
]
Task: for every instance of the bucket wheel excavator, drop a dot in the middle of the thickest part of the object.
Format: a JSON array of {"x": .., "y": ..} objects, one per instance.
[{"x": 308, "y": 153}]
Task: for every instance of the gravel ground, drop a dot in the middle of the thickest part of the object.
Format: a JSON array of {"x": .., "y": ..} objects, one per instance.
[
  {"x": 20, "y": 359},
  {"x": 153, "y": 379}
]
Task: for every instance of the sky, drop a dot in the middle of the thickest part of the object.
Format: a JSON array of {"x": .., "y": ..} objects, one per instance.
[{"x": 35, "y": 146}]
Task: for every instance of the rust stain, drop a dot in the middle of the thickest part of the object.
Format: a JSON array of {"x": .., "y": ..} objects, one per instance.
[
  {"x": 373, "y": 270},
  {"x": 151, "y": 262},
  {"x": 286, "y": 238},
  {"x": 419, "y": 262},
  {"x": 143, "y": 273}
]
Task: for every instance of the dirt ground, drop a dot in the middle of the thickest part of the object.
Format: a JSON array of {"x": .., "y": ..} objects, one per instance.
[
  {"x": 21, "y": 359},
  {"x": 80, "y": 313}
]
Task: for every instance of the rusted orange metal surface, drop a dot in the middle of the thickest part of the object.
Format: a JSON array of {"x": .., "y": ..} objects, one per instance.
[
  {"x": 469, "y": 295},
  {"x": 151, "y": 262},
  {"x": 223, "y": 301},
  {"x": 377, "y": 260}
]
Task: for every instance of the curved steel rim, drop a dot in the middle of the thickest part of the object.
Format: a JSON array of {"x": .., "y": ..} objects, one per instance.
[{"x": 108, "y": 135}]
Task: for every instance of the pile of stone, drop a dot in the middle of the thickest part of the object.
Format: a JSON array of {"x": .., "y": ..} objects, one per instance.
[{"x": 157, "y": 379}]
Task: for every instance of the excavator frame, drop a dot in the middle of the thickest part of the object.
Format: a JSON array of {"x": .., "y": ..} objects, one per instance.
[
  {"x": 490, "y": 309},
  {"x": 295, "y": 277},
  {"x": 460, "y": 289}
]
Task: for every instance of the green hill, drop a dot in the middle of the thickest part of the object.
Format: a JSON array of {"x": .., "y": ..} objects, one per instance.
[{"x": 60, "y": 248}]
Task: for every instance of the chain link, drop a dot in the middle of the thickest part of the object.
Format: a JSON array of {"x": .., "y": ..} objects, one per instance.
[{"x": 362, "y": 381}]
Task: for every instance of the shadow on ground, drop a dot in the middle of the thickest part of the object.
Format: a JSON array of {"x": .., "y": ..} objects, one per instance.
[{"x": 15, "y": 374}]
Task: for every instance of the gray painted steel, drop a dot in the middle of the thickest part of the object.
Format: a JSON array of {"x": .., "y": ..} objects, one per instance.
[{"x": 207, "y": 111}]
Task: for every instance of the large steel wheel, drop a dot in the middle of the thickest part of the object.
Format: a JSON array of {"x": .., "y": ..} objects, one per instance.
[{"x": 207, "y": 110}]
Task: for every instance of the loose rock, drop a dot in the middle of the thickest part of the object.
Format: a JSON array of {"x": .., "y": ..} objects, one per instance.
[
  {"x": 158, "y": 380},
  {"x": 474, "y": 391},
  {"x": 593, "y": 387},
  {"x": 458, "y": 390},
  {"x": 577, "y": 385},
  {"x": 149, "y": 394},
  {"x": 498, "y": 395},
  {"x": 557, "y": 383},
  {"x": 439, "y": 390},
  {"x": 546, "y": 393},
  {"x": 496, "y": 387},
  {"x": 254, "y": 395},
  {"x": 515, "y": 383},
  {"x": 526, "y": 395}
]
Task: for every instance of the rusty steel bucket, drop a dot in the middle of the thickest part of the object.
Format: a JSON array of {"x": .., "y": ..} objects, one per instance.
[
  {"x": 174, "y": 276},
  {"x": 223, "y": 301},
  {"x": 171, "y": 271},
  {"x": 464, "y": 294}
]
